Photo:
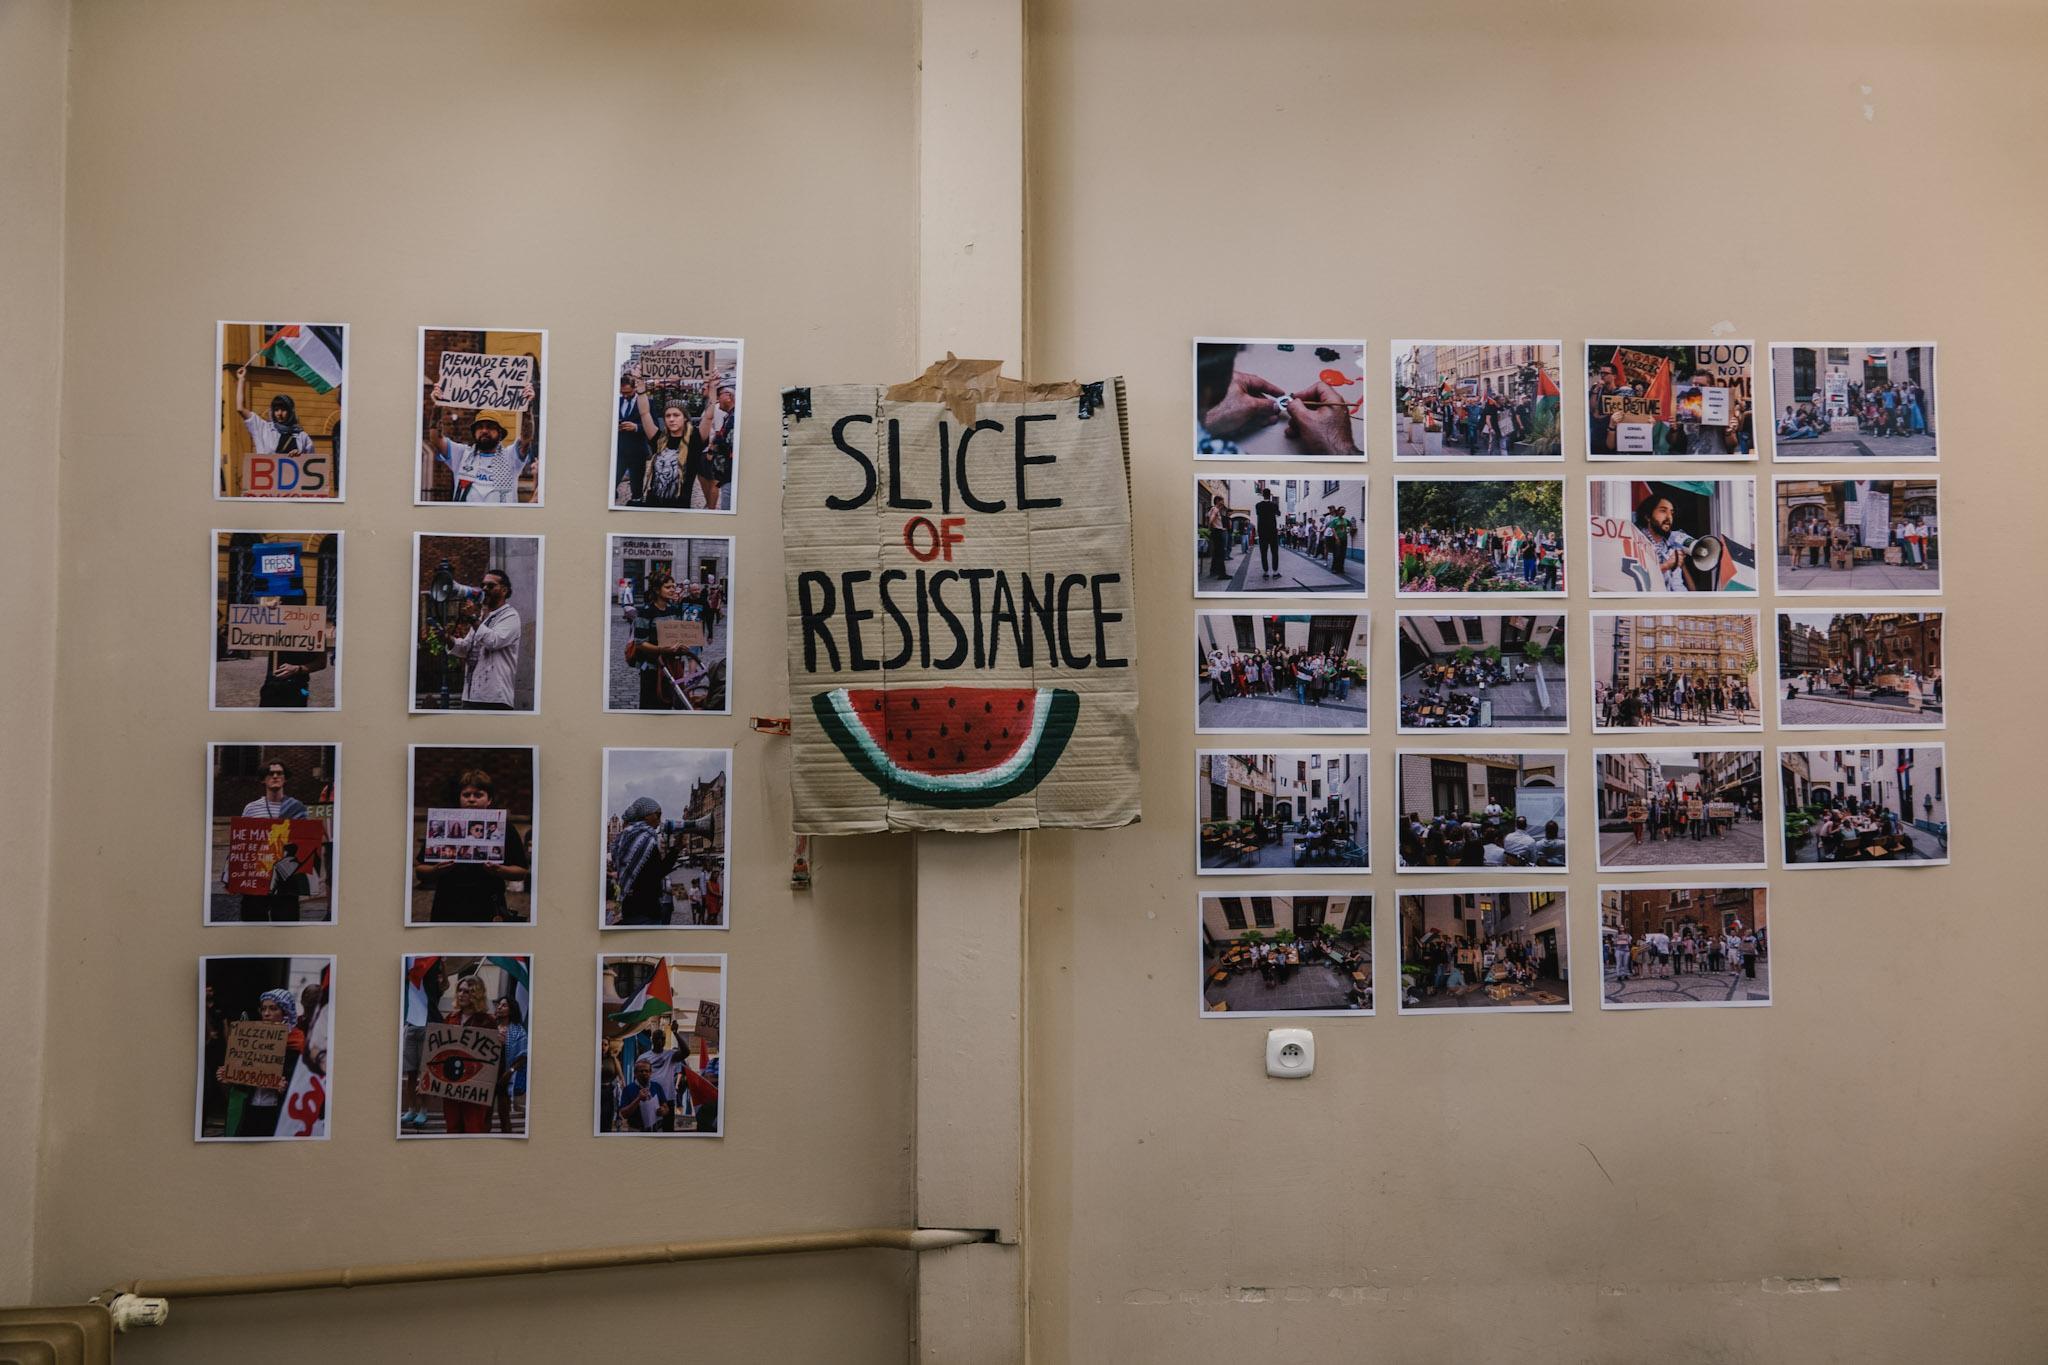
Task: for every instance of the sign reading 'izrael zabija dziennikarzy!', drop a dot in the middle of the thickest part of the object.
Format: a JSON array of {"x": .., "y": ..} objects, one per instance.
[{"x": 961, "y": 639}]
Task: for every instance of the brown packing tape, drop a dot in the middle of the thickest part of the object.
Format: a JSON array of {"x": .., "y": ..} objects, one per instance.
[{"x": 962, "y": 385}]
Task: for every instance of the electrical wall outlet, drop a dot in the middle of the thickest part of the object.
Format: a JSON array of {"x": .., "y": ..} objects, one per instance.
[{"x": 1290, "y": 1052}]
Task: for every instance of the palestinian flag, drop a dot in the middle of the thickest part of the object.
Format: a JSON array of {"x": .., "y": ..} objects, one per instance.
[
  {"x": 517, "y": 971},
  {"x": 418, "y": 1009},
  {"x": 312, "y": 353},
  {"x": 1546, "y": 387},
  {"x": 655, "y": 1000}
]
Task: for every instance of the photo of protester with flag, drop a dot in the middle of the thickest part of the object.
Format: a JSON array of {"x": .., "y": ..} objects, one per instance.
[
  {"x": 265, "y": 1048},
  {"x": 1462, "y": 400},
  {"x": 660, "y": 1023},
  {"x": 279, "y": 401},
  {"x": 1690, "y": 400},
  {"x": 464, "y": 1062}
]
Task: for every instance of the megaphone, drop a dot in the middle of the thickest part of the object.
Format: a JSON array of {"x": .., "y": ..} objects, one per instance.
[
  {"x": 703, "y": 824},
  {"x": 1702, "y": 557}
]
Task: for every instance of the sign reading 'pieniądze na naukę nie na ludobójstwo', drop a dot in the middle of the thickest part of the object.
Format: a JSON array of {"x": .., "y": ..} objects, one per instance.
[{"x": 961, "y": 632}]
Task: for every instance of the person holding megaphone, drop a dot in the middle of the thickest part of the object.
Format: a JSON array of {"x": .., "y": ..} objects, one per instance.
[{"x": 1684, "y": 563}]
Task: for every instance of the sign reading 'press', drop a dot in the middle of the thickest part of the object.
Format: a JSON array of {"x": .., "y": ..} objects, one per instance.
[{"x": 960, "y": 604}]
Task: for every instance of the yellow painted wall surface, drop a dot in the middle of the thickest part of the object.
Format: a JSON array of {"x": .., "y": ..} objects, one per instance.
[{"x": 1581, "y": 1187}]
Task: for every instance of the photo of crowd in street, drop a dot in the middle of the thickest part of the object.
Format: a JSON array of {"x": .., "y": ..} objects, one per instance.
[
  {"x": 1486, "y": 670},
  {"x": 1681, "y": 671},
  {"x": 1470, "y": 400},
  {"x": 660, "y": 1045},
  {"x": 1865, "y": 807},
  {"x": 1684, "y": 946},
  {"x": 668, "y": 642},
  {"x": 1853, "y": 670},
  {"x": 1473, "y": 535},
  {"x": 1279, "y": 400},
  {"x": 676, "y": 431},
  {"x": 281, "y": 397},
  {"x": 272, "y": 835},
  {"x": 667, "y": 832},
  {"x": 1290, "y": 810},
  {"x": 464, "y": 1064},
  {"x": 276, "y": 621},
  {"x": 1670, "y": 400},
  {"x": 1671, "y": 535},
  {"x": 1861, "y": 400},
  {"x": 1276, "y": 537},
  {"x": 1680, "y": 808},
  {"x": 481, "y": 426},
  {"x": 1301, "y": 673},
  {"x": 265, "y": 1057},
  {"x": 1859, "y": 535},
  {"x": 1292, "y": 952},
  {"x": 471, "y": 834},
  {"x": 476, "y": 623},
  {"x": 1461, "y": 811},
  {"x": 1507, "y": 951}
]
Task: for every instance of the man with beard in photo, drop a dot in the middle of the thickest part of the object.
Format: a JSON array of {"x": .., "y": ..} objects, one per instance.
[{"x": 488, "y": 469}]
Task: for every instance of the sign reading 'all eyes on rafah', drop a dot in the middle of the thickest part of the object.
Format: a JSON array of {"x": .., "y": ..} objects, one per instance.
[{"x": 960, "y": 601}]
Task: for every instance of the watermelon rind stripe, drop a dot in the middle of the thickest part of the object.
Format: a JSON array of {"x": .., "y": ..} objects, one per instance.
[{"x": 1054, "y": 715}]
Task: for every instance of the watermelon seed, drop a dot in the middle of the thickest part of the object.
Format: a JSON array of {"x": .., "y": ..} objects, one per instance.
[
  {"x": 984, "y": 746},
  {"x": 967, "y": 727},
  {"x": 1006, "y": 732},
  {"x": 949, "y": 703},
  {"x": 913, "y": 703},
  {"x": 942, "y": 732},
  {"x": 931, "y": 753},
  {"x": 1020, "y": 705},
  {"x": 960, "y": 756},
  {"x": 891, "y": 734},
  {"x": 988, "y": 706}
]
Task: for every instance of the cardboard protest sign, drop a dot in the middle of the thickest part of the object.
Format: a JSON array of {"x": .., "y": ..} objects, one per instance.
[
  {"x": 1635, "y": 438},
  {"x": 461, "y": 834},
  {"x": 255, "y": 1054},
  {"x": 458, "y": 1062},
  {"x": 261, "y": 626},
  {"x": 470, "y": 380},
  {"x": 960, "y": 604},
  {"x": 669, "y": 630},
  {"x": 664, "y": 367},
  {"x": 264, "y": 853},
  {"x": 287, "y": 476}
]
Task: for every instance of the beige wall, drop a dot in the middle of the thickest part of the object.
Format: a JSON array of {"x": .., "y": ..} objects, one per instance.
[
  {"x": 32, "y": 53},
  {"x": 1569, "y": 1187},
  {"x": 731, "y": 171}
]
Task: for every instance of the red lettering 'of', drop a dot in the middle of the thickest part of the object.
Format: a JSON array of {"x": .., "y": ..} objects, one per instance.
[
  {"x": 931, "y": 550},
  {"x": 950, "y": 534}
]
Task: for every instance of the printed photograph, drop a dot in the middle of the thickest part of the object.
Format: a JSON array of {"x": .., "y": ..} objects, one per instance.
[
  {"x": 472, "y": 834},
  {"x": 1677, "y": 947},
  {"x": 482, "y": 425},
  {"x": 276, "y": 621},
  {"x": 1859, "y": 400},
  {"x": 1288, "y": 810},
  {"x": 667, "y": 828},
  {"x": 476, "y": 623},
  {"x": 1679, "y": 808},
  {"x": 668, "y": 642},
  {"x": 1483, "y": 670},
  {"x": 1859, "y": 535},
  {"x": 1287, "y": 953},
  {"x": 281, "y": 397},
  {"x": 676, "y": 440},
  {"x": 266, "y": 1062},
  {"x": 1460, "y": 811},
  {"x": 659, "y": 1029},
  {"x": 1279, "y": 400},
  {"x": 1485, "y": 949},
  {"x": 1864, "y": 807},
  {"x": 1470, "y": 535},
  {"x": 1279, "y": 537},
  {"x": 1695, "y": 671},
  {"x": 1847, "y": 670},
  {"x": 1300, "y": 673},
  {"x": 463, "y": 1060},
  {"x": 1468, "y": 400},
  {"x": 1671, "y": 535},
  {"x": 1670, "y": 400},
  {"x": 271, "y": 833}
]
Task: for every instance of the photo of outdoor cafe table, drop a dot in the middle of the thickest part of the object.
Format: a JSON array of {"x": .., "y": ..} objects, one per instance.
[
  {"x": 1289, "y": 810},
  {"x": 1864, "y": 807},
  {"x": 1291, "y": 952}
]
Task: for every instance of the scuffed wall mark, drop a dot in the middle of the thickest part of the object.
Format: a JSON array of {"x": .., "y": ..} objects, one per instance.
[
  {"x": 1597, "y": 1162},
  {"x": 1869, "y": 105},
  {"x": 1721, "y": 328},
  {"x": 1253, "y": 1293},
  {"x": 1816, "y": 1284},
  {"x": 1262, "y": 1294}
]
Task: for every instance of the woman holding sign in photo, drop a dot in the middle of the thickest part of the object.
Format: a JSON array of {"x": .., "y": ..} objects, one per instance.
[
  {"x": 253, "y": 1110},
  {"x": 675, "y": 458},
  {"x": 661, "y": 666},
  {"x": 473, "y": 893},
  {"x": 472, "y": 1010}
]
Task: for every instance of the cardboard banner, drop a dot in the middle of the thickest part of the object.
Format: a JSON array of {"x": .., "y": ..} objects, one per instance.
[
  {"x": 673, "y": 630},
  {"x": 460, "y": 1063},
  {"x": 264, "y": 855},
  {"x": 259, "y": 627},
  {"x": 676, "y": 366},
  {"x": 255, "y": 1054},
  {"x": 459, "y": 834},
  {"x": 470, "y": 380},
  {"x": 960, "y": 604}
]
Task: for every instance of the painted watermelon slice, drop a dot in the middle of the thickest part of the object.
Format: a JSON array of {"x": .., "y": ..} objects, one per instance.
[{"x": 960, "y": 748}]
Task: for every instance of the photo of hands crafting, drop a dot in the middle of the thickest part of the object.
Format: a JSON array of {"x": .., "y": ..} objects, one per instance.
[{"x": 1282, "y": 400}]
